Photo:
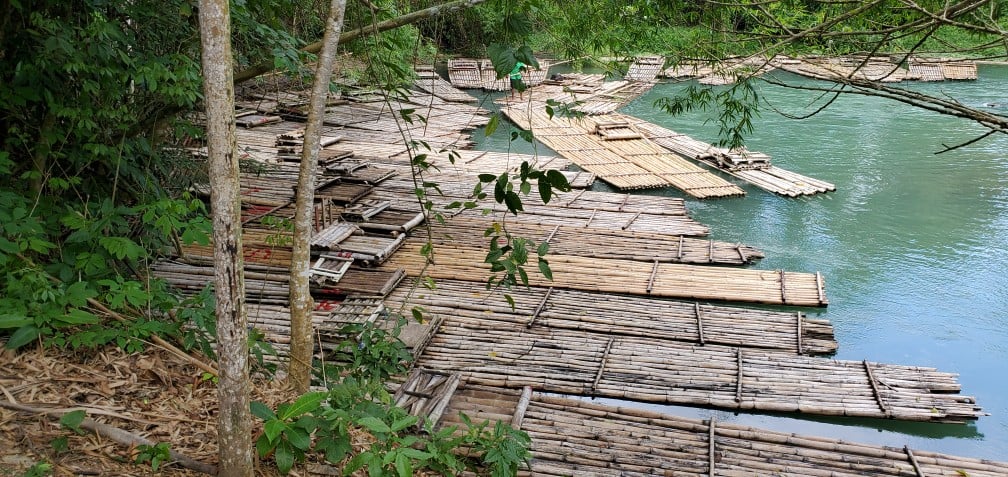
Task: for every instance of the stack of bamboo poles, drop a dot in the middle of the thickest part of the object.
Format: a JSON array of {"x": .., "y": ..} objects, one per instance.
[
  {"x": 772, "y": 178},
  {"x": 658, "y": 279},
  {"x": 626, "y": 164},
  {"x": 625, "y": 315},
  {"x": 573, "y": 437},
  {"x": 494, "y": 353},
  {"x": 467, "y": 231}
]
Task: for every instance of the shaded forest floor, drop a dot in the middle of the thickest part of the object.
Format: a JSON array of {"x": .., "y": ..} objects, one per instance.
[{"x": 153, "y": 394}]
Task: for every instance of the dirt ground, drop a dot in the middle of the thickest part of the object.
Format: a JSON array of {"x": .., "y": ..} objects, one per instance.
[{"x": 153, "y": 394}]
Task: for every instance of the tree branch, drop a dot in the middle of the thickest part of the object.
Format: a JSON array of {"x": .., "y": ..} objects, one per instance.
[
  {"x": 347, "y": 36},
  {"x": 114, "y": 433}
]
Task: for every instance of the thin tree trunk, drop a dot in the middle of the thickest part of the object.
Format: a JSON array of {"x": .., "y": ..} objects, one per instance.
[
  {"x": 301, "y": 305},
  {"x": 234, "y": 420},
  {"x": 412, "y": 17}
]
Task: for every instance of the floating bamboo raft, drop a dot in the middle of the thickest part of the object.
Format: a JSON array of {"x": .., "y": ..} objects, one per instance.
[
  {"x": 626, "y": 164},
  {"x": 575, "y": 437},
  {"x": 585, "y": 93},
  {"x": 645, "y": 68},
  {"x": 472, "y": 74},
  {"x": 941, "y": 70},
  {"x": 488, "y": 351},
  {"x": 671, "y": 280},
  {"x": 429, "y": 81},
  {"x": 467, "y": 230},
  {"x": 770, "y": 178},
  {"x": 722, "y": 72},
  {"x": 608, "y": 314},
  {"x": 832, "y": 68}
]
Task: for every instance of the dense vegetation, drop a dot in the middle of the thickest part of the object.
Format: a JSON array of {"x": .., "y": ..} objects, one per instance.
[{"x": 96, "y": 96}]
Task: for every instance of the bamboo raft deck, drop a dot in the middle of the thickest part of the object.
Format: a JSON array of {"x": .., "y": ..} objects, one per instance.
[
  {"x": 466, "y": 230},
  {"x": 471, "y": 73},
  {"x": 610, "y": 314},
  {"x": 488, "y": 351},
  {"x": 631, "y": 163},
  {"x": 429, "y": 81},
  {"x": 585, "y": 93},
  {"x": 770, "y": 178},
  {"x": 670, "y": 280},
  {"x": 575, "y": 437},
  {"x": 723, "y": 72},
  {"x": 645, "y": 68}
]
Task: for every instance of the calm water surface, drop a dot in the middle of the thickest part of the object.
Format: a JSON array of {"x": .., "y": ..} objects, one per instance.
[{"x": 913, "y": 246}]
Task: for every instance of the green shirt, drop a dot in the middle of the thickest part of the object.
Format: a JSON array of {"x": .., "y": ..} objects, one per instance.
[{"x": 516, "y": 72}]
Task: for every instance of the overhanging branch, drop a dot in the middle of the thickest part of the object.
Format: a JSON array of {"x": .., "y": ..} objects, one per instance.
[{"x": 347, "y": 36}]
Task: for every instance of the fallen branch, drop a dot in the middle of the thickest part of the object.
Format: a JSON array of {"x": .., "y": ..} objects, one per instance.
[{"x": 118, "y": 435}]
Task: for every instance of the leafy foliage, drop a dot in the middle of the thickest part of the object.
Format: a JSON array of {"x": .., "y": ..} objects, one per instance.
[
  {"x": 155, "y": 455},
  {"x": 321, "y": 422}
]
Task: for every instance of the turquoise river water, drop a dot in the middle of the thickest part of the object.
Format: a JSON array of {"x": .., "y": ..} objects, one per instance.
[{"x": 913, "y": 245}]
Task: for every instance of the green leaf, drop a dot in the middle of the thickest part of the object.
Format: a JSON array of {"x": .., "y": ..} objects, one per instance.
[
  {"x": 403, "y": 423},
  {"x": 491, "y": 126},
  {"x": 558, "y": 180},
  {"x": 264, "y": 446},
  {"x": 513, "y": 202},
  {"x": 374, "y": 424},
  {"x": 284, "y": 458},
  {"x": 261, "y": 411},
  {"x": 298, "y": 438},
  {"x": 273, "y": 428},
  {"x": 545, "y": 191},
  {"x": 8, "y": 247},
  {"x": 487, "y": 178},
  {"x": 76, "y": 316},
  {"x": 416, "y": 454},
  {"x": 305, "y": 404},
  {"x": 73, "y": 419},
  {"x": 24, "y": 335},
  {"x": 417, "y": 313},
  {"x": 9, "y": 320},
  {"x": 544, "y": 268},
  {"x": 403, "y": 466}
]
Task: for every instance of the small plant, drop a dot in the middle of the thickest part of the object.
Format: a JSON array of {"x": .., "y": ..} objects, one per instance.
[
  {"x": 287, "y": 432},
  {"x": 39, "y": 469},
  {"x": 156, "y": 454},
  {"x": 396, "y": 448}
]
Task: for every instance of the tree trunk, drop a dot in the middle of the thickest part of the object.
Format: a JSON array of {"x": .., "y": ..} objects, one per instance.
[
  {"x": 301, "y": 305},
  {"x": 267, "y": 66},
  {"x": 234, "y": 420}
]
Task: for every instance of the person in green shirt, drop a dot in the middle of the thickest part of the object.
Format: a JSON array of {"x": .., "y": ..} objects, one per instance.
[{"x": 516, "y": 79}]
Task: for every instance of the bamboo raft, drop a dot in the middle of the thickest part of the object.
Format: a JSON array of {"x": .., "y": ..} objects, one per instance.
[
  {"x": 576, "y": 437},
  {"x": 469, "y": 73},
  {"x": 466, "y": 231},
  {"x": 658, "y": 279},
  {"x": 770, "y": 178},
  {"x": 832, "y": 68},
  {"x": 608, "y": 314},
  {"x": 429, "y": 81},
  {"x": 585, "y": 93},
  {"x": 625, "y": 164},
  {"x": 941, "y": 70},
  {"x": 491, "y": 352},
  {"x": 645, "y": 68}
]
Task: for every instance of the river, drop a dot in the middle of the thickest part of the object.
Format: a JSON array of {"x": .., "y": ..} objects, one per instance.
[{"x": 913, "y": 245}]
